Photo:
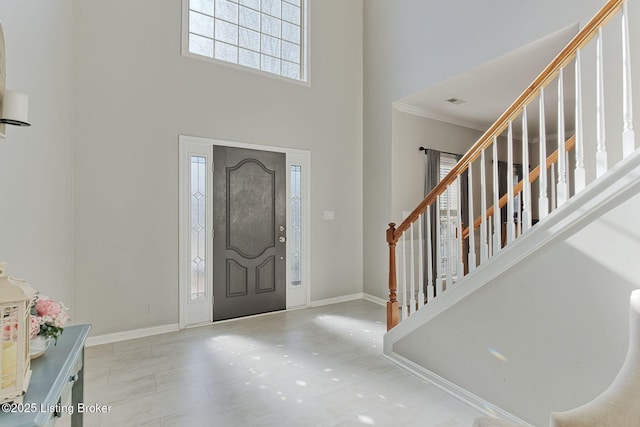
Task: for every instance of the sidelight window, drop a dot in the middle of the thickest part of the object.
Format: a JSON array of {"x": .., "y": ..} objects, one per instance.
[
  {"x": 198, "y": 227},
  {"x": 295, "y": 234}
]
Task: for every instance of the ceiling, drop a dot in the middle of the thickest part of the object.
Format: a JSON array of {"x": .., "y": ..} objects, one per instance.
[{"x": 489, "y": 89}]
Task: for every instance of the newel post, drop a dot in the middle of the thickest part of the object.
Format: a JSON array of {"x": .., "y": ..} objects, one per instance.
[{"x": 392, "y": 305}]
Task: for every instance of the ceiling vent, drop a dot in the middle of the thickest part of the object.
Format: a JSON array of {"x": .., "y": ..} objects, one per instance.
[{"x": 456, "y": 101}]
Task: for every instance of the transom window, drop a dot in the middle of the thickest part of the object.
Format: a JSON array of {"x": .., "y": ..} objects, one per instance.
[{"x": 266, "y": 35}]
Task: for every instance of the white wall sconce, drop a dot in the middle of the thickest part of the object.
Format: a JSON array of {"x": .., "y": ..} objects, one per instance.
[
  {"x": 14, "y": 105},
  {"x": 15, "y": 108}
]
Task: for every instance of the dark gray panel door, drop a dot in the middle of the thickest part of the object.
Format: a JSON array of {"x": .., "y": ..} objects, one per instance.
[{"x": 249, "y": 218}]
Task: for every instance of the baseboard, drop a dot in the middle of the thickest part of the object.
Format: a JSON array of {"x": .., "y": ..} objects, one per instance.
[
  {"x": 157, "y": 330},
  {"x": 374, "y": 300},
  {"x": 132, "y": 334},
  {"x": 336, "y": 300},
  {"x": 456, "y": 391}
]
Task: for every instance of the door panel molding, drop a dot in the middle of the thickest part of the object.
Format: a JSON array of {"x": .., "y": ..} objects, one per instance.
[
  {"x": 241, "y": 272},
  {"x": 264, "y": 276},
  {"x": 266, "y": 239}
]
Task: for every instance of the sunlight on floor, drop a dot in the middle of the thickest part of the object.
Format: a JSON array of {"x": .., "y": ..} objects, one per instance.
[{"x": 319, "y": 366}]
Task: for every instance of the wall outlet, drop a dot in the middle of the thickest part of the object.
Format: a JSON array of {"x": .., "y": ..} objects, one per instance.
[{"x": 328, "y": 215}]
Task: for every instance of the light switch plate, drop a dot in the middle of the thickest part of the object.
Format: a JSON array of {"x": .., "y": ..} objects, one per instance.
[{"x": 328, "y": 215}]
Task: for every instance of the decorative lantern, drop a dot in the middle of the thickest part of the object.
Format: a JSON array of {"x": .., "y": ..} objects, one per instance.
[{"x": 15, "y": 327}]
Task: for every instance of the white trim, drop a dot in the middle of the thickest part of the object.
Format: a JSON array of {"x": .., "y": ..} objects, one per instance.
[
  {"x": 336, "y": 300},
  {"x": 293, "y": 155},
  {"x": 191, "y": 312},
  {"x": 240, "y": 144},
  {"x": 422, "y": 112},
  {"x": 374, "y": 299},
  {"x": 294, "y": 297},
  {"x": 617, "y": 185},
  {"x": 132, "y": 334},
  {"x": 305, "y": 71},
  {"x": 456, "y": 391},
  {"x": 164, "y": 329}
]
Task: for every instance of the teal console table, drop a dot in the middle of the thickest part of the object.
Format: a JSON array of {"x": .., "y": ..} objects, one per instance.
[{"x": 56, "y": 385}]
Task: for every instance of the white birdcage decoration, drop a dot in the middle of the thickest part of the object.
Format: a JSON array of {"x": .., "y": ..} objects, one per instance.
[{"x": 15, "y": 326}]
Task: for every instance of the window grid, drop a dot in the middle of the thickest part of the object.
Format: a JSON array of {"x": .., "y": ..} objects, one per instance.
[
  {"x": 198, "y": 226},
  {"x": 264, "y": 57},
  {"x": 295, "y": 239},
  {"x": 447, "y": 163}
]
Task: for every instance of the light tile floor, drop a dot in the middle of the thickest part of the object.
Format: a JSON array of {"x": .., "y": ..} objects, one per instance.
[{"x": 312, "y": 367}]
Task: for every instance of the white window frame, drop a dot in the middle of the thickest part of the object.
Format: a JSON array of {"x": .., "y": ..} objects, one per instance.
[
  {"x": 194, "y": 311},
  {"x": 300, "y": 296},
  {"x": 305, "y": 54},
  {"x": 191, "y": 312}
]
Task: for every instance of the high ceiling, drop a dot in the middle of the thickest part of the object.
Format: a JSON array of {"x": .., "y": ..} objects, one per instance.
[{"x": 489, "y": 89}]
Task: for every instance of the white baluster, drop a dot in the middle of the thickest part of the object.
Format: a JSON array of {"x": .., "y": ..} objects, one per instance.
[
  {"x": 579, "y": 173},
  {"x": 441, "y": 269},
  {"x": 526, "y": 185},
  {"x": 518, "y": 219},
  {"x": 566, "y": 162},
  {"x": 543, "y": 201},
  {"x": 450, "y": 245},
  {"x": 563, "y": 189},
  {"x": 484, "y": 249},
  {"x": 497, "y": 232},
  {"x": 472, "y": 234},
  {"x": 403, "y": 283},
  {"x": 553, "y": 187},
  {"x": 430, "y": 286},
  {"x": 601, "y": 150},
  {"x": 412, "y": 271},
  {"x": 459, "y": 239},
  {"x": 420, "y": 261},
  {"x": 490, "y": 244},
  {"x": 628, "y": 135},
  {"x": 511, "y": 230}
]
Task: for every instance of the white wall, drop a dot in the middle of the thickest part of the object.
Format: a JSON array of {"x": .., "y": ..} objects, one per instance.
[
  {"x": 409, "y": 132},
  {"x": 550, "y": 333},
  {"x": 136, "y": 94},
  {"x": 412, "y": 44},
  {"x": 35, "y": 162}
]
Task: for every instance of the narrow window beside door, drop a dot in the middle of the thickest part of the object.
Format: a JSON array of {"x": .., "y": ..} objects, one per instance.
[
  {"x": 198, "y": 227},
  {"x": 295, "y": 236}
]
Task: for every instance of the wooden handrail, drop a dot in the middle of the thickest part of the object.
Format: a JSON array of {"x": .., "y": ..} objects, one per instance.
[
  {"x": 533, "y": 176},
  {"x": 566, "y": 55}
]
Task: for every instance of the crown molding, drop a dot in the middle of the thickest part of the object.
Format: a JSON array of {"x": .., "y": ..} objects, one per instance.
[{"x": 427, "y": 114}]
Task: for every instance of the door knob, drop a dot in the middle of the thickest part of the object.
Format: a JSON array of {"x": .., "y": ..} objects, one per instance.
[{"x": 282, "y": 239}]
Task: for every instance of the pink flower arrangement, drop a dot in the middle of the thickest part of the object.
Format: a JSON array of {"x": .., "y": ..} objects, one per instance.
[{"x": 48, "y": 317}]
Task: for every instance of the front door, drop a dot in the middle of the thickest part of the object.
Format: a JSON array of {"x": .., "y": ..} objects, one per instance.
[{"x": 249, "y": 244}]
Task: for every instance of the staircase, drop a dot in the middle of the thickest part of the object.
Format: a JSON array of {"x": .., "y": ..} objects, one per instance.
[{"x": 523, "y": 315}]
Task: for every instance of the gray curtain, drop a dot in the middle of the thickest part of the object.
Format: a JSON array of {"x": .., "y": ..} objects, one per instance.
[{"x": 431, "y": 179}]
